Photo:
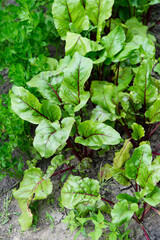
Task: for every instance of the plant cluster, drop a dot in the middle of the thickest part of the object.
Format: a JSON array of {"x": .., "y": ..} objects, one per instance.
[
  {"x": 27, "y": 34},
  {"x": 102, "y": 85}
]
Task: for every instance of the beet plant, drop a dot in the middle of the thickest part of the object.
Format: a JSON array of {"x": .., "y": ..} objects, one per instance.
[{"x": 102, "y": 88}]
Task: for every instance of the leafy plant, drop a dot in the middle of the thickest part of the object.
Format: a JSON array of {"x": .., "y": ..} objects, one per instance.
[
  {"x": 104, "y": 84},
  {"x": 27, "y": 31}
]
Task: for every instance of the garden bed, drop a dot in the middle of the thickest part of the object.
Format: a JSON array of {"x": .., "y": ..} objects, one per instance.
[{"x": 49, "y": 213}]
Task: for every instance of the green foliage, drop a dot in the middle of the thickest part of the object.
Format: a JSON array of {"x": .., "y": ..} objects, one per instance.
[
  {"x": 50, "y": 136},
  {"x": 80, "y": 193},
  {"x": 32, "y": 188},
  {"x": 98, "y": 11},
  {"x": 95, "y": 134},
  {"x": 114, "y": 41},
  {"x": 102, "y": 86},
  {"x": 73, "y": 17},
  {"x": 12, "y": 131},
  {"x": 138, "y": 131},
  {"x": 122, "y": 212},
  {"x": 26, "y": 33},
  {"x": 123, "y": 155},
  {"x": 72, "y": 88}
]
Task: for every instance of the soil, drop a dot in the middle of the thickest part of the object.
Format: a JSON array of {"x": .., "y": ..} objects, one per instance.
[{"x": 43, "y": 230}]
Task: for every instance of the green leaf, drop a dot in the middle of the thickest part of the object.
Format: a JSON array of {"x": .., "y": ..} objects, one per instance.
[
  {"x": 105, "y": 172},
  {"x": 33, "y": 187},
  {"x": 129, "y": 49},
  {"x": 157, "y": 68},
  {"x": 56, "y": 162},
  {"x": 124, "y": 78},
  {"x": 123, "y": 155},
  {"x": 141, "y": 158},
  {"x": 48, "y": 83},
  {"x": 27, "y": 106},
  {"x": 50, "y": 136},
  {"x": 149, "y": 177},
  {"x": 101, "y": 115},
  {"x": 51, "y": 111},
  {"x": 123, "y": 212},
  {"x": 102, "y": 94},
  {"x": 120, "y": 176},
  {"x": 153, "y": 113},
  {"x": 143, "y": 90},
  {"x": 135, "y": 27},
  {"x": 152, "y": 2},
  {"x": 138, "y": 131},
  {"x": 69, "y": 15},
  {"x": 98, "y": 11},
  {"x": 114, "y": 41},
  {"x": 153, "y": 198},
  {"x": 80, "y": 191},
  {"x": 75, "y": 76},
  {"x": 128, "y": 197},
  {"x": 77, "y": 43},
  {"x": 95, "y": 134}
]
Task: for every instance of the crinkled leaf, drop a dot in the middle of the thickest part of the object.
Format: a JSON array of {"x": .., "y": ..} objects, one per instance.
[
  {"x": 75, "y": 76},
  {"x": 51, "y": 111},
  {"x": 129, "y": 49},
  {"x": 138, "y": 131},
  {"x": 48, "y": 83},
  {"x": 50, "y": 136},
  {"x": 123, "y": 155},
  {"x": 114, "y": 41},
  {"x": 128, "y": 104},
  {"x": 80, "y": 191},
  {"x": 27, "y": 106},
  {"x": 120, "y": 176},
  {"x": 136, "y": 165},
  {"x": 77, "y": 43},
  {"x": 143, "y": 90},
  {"x": 101, "y": 115},
  {"x": 95, "y": 134},
  {"x": 102, "y": 94},
  {"x": 33, "y": 187},
  {"x": 123, "y": 212},
  {"x": 153, "y": 113},
  {"x": 153, "y": 198},
  {"x": 69, "y": 14},
  {"x": 98, "y": 11}
]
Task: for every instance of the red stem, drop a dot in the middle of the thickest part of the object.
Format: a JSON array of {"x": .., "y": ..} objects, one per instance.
[
  {"x": 117, "y": 74},
  {"x": 155, "y": 153},
  {"x": 61, "y": 171},
  {"x": 149, "y": 14},
  {"x": 106, "y": 200},
  {"x": 154, "y": 130},
  {"x": 76, "y": 154},
  {"x": 147, "y": 210},
  {"x": 143, "y": 214},
  {"x": 155, "y": 210},
  {"x": 147, "y": 237}
]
